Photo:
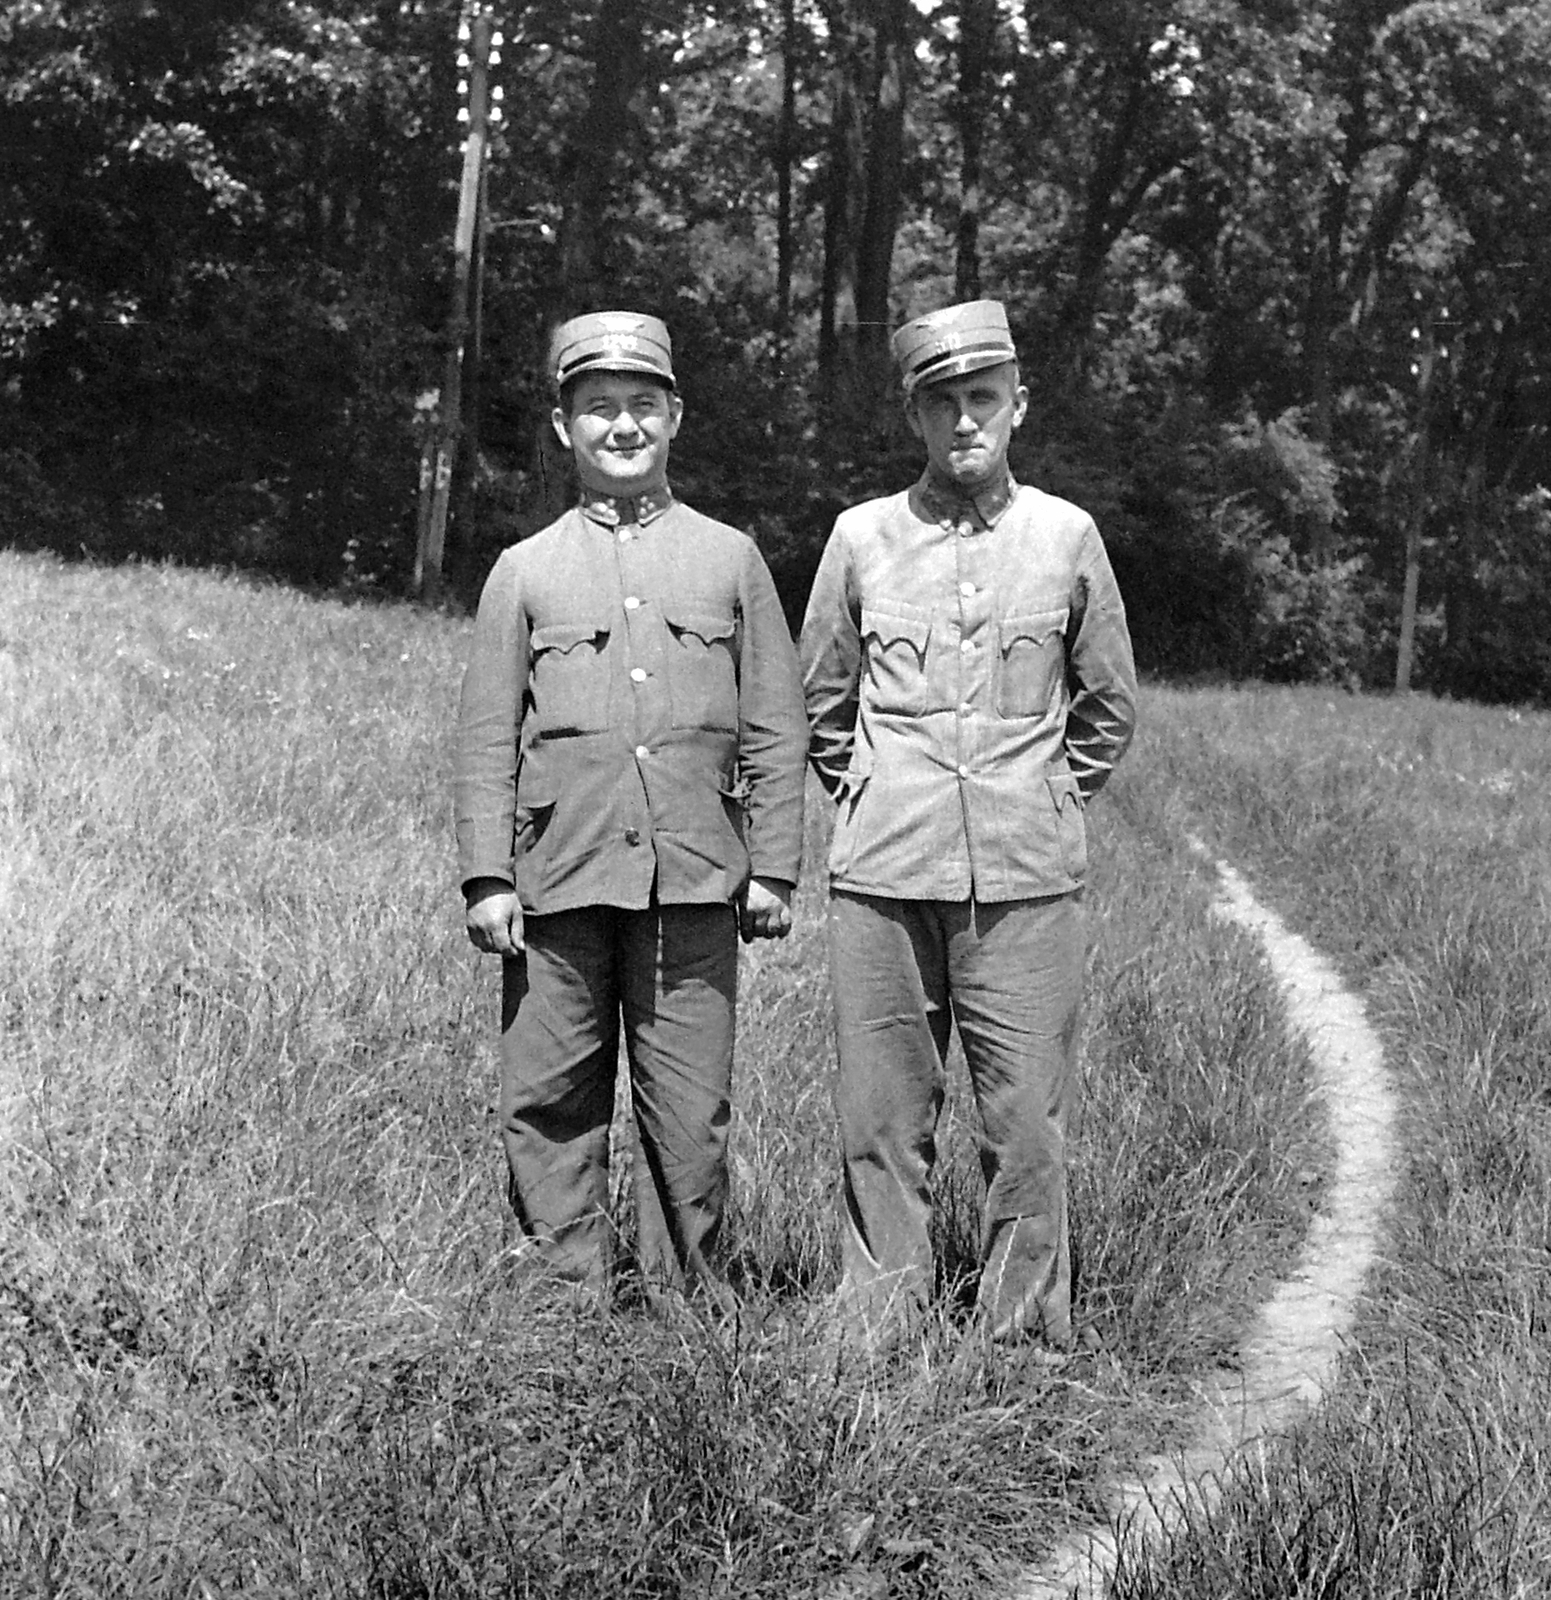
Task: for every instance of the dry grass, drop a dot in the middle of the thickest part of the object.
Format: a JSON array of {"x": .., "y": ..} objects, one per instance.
[{"x": 259, "y": 1332}]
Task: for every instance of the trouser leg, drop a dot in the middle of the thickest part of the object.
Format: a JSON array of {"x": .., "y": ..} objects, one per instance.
[
  {"x": 887, "y": 967},
  {"x": 679, "y": 967},
  {"x": 559, "y": 1048},
  {"x": 1016, "y": 979}
]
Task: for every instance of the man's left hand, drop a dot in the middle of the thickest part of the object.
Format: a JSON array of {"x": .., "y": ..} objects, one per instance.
[{"x": 765, "y": 910}]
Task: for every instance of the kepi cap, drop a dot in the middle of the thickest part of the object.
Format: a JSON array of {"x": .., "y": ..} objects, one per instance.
[
  {"x": 948, "y": 343},
  {"x": 611, "y": 341}
]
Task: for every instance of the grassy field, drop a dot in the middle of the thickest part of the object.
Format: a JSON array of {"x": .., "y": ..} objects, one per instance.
[{"x": 259, "y": 1332}]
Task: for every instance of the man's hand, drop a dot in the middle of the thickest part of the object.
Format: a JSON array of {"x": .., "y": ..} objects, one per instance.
[
  {"x": 765, "y": 910},
  {"x": 493, "y": 915}
]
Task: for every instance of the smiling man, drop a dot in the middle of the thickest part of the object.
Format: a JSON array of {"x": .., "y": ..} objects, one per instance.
[
  {"x": 629, "y": 775},
  {"x": 970, "y": 688}
]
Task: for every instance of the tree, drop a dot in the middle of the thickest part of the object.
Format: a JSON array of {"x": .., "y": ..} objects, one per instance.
[{"x": 870, "y": 46}]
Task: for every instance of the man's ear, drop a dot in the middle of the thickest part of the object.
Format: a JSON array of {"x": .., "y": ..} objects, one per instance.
[
  {"x": 911, "y": 418},
  {"x": 562, "y": 426},
  {"x": 1020, "y": 406},
  {"x": 675, "y": 413}
]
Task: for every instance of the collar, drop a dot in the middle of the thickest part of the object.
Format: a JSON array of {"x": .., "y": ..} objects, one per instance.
[
  {"x": 948, "y": 504},
  {"x": 613, "y": 511}
]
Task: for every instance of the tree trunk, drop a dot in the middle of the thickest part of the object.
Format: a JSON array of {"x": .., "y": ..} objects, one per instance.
[
  {"x": 863, "y": 202},
  {"x": 786, "y": 154},
  {"x": 977, "y": 37},
  {"x": 1343, "y": 283},
  {"x": 589, "y": 170},
  {"x": 837, "y": 285},
  {"x": 1119, "y": 183},
  {"x": 1414, "y": 524},
  {"x": 880, "y": 215}
]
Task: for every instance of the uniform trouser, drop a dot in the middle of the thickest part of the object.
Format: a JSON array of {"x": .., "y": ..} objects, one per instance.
[
  {"x": 1010, "y": 976},
  {"x": 670, "y": 972}
]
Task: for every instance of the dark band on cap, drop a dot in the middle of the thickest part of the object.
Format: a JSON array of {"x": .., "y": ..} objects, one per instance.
[{"x": 922, "y": 370}]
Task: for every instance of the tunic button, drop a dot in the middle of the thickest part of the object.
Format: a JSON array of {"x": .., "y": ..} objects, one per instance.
[
  {"x": 624, "y": 534},
  {"x": 641, "y": 752},
  {"x": 638, "y": 674},
  {"x": 632, "y": 602},
  {"x": 963, "y": 772},
  {"x": 965, "y": 589},
  {"x": 965, "y": 529},
  {"x": 967, "y": 647},
  {"x": 632, "y": 836}
]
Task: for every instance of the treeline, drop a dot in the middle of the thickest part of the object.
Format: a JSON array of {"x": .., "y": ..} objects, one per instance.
[{"x": 1281, "y": 271}]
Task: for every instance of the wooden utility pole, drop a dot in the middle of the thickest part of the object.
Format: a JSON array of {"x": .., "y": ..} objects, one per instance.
[
  {"x": 431, "y": 541},
  {"x": 1424, "y": 367}
]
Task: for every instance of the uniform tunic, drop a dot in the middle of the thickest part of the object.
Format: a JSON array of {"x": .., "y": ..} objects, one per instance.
[
  {"x": 969, "y": 680},
  {"x": 629, "y": 715}
]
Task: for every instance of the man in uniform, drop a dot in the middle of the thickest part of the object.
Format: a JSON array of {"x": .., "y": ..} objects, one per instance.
[
  {"x": 970, "y": 688},
  {"x": 629, "y": 774}
]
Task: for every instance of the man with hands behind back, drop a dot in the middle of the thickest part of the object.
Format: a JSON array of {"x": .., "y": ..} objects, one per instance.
[{"x": 970, "y": 686}]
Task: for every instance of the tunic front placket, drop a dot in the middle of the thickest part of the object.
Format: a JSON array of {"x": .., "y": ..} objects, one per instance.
[
  {"x": 640, "y": 674},
  {"x": 977, "y": 645}
]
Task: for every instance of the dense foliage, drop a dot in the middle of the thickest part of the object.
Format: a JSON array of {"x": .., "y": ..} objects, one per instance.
[{"x": 1279, "y": 268}]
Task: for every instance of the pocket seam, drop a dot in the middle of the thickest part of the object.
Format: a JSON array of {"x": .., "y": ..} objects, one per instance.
[
  {"x": 565, "y": 636},
  {"x": 708, "y": 629},
  {"x": 1035, "y": 626}
]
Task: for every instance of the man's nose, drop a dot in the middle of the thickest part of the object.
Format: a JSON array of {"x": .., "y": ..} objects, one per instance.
[{"x": 965, "y": 424}]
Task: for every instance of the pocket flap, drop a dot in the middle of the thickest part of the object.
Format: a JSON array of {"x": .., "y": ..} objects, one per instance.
[
  {"x": 1064, "y": 790},
  {"x": 705, "y": 625},
  {"x": 563, "y": 636},
  {"x": 891, "y": 621},
  {"x": 1035, "y": 626}
]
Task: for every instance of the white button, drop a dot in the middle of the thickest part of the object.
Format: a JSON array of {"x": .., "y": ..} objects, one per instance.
[
  {"x": 632, "y": 602},
  {"x": 966, "y": 709},
  {"x": 967, "y": 647},
  {"x": 641, "y": 752},
  {"x": 624, "y": 534},
  {"x": 963, "y": 772},
  {"x": 638, "y": 674},
  {"x": 965, "y": 589},
  {"x": 965, "y": 529}
]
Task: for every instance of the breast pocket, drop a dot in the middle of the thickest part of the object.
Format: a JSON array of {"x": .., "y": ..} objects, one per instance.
[
  {"x": 702, "y": 674},
  {"x": 897, "y": 638},
  {"x": 1032, "y": 664},
  {"x": 570, "y": 684}
]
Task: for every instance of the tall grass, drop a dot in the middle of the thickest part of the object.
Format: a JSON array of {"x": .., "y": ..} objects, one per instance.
[
  {"x": 1412, "y": 839},
  {"x": 260, "y": 1331}
]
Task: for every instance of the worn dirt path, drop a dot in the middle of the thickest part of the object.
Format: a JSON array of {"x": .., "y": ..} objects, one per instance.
[{"x": 1291, "y": 1356}]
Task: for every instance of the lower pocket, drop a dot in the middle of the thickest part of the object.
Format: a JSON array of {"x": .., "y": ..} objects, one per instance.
[
  {"x": 1071, "y": 829},
  {"x": 848, "y": 813}
]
